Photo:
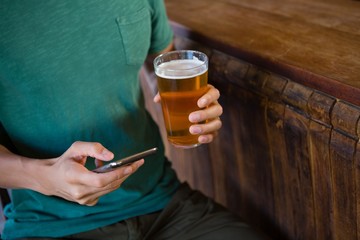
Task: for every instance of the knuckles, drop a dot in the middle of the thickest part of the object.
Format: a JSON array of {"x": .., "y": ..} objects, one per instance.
[
  {"x": 80, "y": 144},
  {"x": 78, "y": 195},
  {"x": 99, "y": 183},
  {"x": 75, "y": 144},
  {"x": 98, "y": 147},
  {"x": 81, "y": 198}
]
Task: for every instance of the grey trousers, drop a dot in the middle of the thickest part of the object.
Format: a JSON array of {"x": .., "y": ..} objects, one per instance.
[{"x": 189, "y": 215}]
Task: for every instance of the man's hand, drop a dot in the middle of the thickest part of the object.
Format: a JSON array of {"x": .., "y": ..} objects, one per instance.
[
  {"x": 67, "y": 177},
  {"x": 210, "y": 114}
]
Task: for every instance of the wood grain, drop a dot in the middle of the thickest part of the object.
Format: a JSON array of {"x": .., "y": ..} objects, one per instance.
[
  {"x": 287, "y": 157},
  {"x": 315, "y": 43}
]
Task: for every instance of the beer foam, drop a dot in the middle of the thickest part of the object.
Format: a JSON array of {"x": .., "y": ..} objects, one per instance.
[{"x": 180, "y": 69}]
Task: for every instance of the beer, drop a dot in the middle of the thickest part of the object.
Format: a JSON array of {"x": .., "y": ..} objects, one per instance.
[{"x": 181, "y": 83}]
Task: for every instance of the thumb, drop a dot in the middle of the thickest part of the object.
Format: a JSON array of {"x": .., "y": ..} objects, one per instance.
[{"x": 79, "y": 150}]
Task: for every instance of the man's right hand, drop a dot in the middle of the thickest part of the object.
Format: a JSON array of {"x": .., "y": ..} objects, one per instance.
[{"x": 68, "y": 178}]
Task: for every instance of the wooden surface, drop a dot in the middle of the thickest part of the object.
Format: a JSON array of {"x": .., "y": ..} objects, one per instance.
[
  {"x": 287, "y": 157},
  {"x": 314, "y": 43}
]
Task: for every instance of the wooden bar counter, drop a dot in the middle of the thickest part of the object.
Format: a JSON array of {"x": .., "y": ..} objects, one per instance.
[{"x": 287, "y": 159}]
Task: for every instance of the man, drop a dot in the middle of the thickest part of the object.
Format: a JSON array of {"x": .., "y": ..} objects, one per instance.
[{"x": 70, "y": 98}]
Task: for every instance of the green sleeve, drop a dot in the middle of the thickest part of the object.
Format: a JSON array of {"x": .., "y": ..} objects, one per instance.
[{"x": 162, "y": 34}]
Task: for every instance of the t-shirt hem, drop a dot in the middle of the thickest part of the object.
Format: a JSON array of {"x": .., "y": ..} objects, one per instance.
[{"x": 74, "y": 229}]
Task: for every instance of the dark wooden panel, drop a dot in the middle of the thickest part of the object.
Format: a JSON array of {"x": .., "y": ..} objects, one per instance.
[
  {"x": 299, "y": 181},
  {"x": 321, "y": 177},
  {"x": 193, "y": 165},
  {"x": 282, "y": 218},
  {"x": 342, "y": 150},
  {"x": 285, "y": 159},
  {"x": 344, "y": 118},
  {"x": 320, "y": 107},
  {"x": 298, "y": 165},
  {"x": 221, "y": 153},
  {"x": 254, "y": 166},
  {"x": 357, "y": 181}
]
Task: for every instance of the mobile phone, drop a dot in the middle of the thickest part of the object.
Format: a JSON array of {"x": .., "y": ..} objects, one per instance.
[{"x": 125, "y": 161}]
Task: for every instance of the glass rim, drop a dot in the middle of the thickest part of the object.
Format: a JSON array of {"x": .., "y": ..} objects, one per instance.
[{"x": 205, "y": 62}]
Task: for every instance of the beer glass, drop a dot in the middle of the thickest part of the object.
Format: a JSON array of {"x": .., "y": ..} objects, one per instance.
[{"x": 182, "y": 79}]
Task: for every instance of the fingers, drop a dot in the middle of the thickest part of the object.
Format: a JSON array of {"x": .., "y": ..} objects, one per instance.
[
  {"x": 209, "y": 127},
  {"x": 71, "y": 180},
  {"x": 102, "y": 180},
  {"x": 210, "y": 114},
  {"x": 214, "y": 111},
  {"x": 207, "y": 120},
  {"x": 78, "y": 150},
  {"x": 208, "y": 98},
  {"x": 101, "y": 184},
  {"x": 207, "y": 138},
  {"x": 125, "y": 171}
]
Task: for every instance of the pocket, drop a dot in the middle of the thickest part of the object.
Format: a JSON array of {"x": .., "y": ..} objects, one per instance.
[{"x": 135, "y": 31}]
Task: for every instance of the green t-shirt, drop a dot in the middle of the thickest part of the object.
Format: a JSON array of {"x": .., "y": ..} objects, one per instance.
[{"x": 69, "y": 72}]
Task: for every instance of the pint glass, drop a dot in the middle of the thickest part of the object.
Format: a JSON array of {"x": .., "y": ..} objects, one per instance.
[{"x": 182, "y": 79}]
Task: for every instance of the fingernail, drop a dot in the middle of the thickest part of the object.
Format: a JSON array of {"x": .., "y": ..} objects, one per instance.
[
  {"x": 195, "y": 130},
  {"x": 203, "y": 139},
  {"x": 194, "y": 117},
  {"x": 106, "y": 152},
  {"x": 140, "y": 163}
]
